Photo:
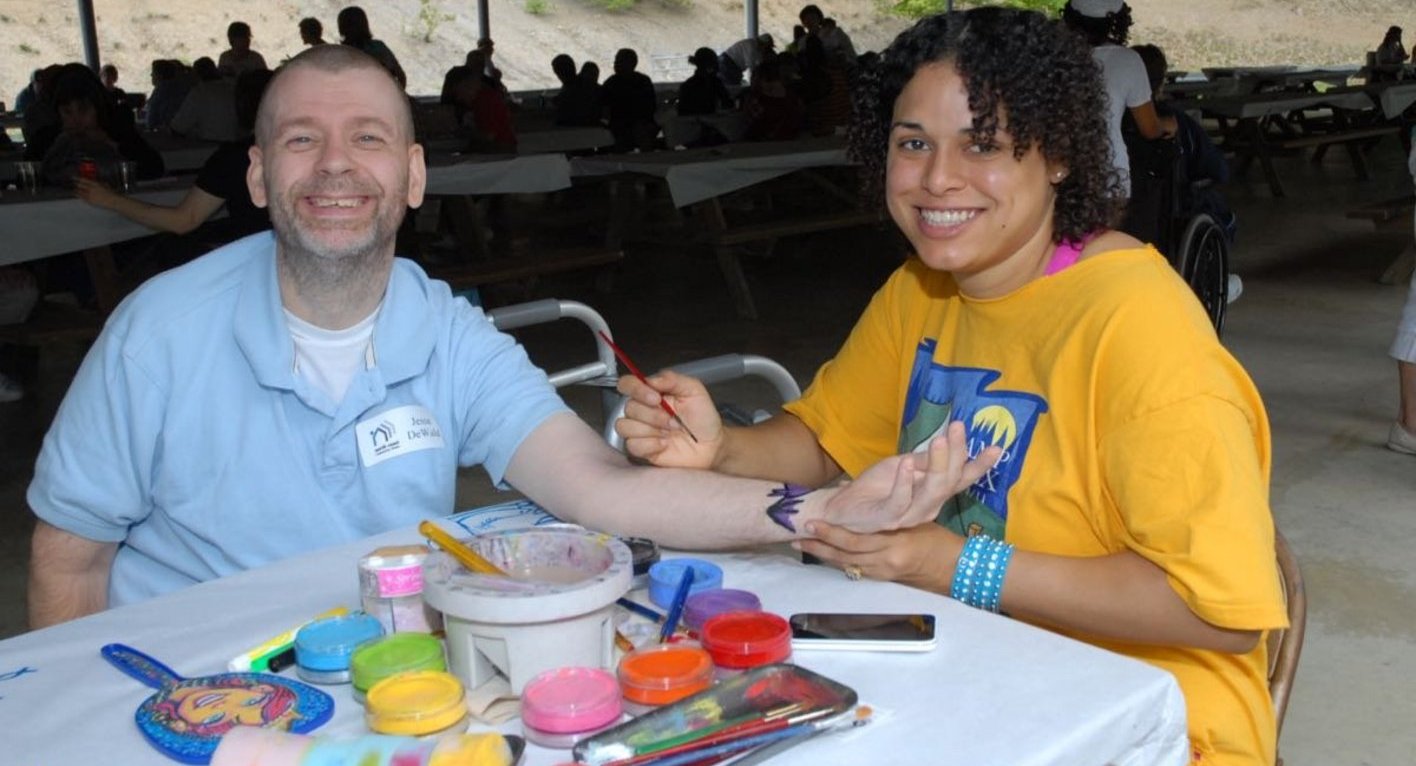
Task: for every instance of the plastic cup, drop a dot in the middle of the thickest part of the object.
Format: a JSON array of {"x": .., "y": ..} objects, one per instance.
[
  {"x": 127, "y": 175},
  {"x": 28, "y": 176}
]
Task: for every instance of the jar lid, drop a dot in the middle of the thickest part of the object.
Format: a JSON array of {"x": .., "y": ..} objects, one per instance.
[
  {"x": 664, "y": 673},
  {"x": 747, "y": 639},
  {"x": 664, "y": 578},
  {"x": 381, "y": 658},
  {"x": 700, "y": 607},
  {"x": 327, "y": 643},
  {"x": 416, "y": 703},
  {"x": 570, "y": 700}
]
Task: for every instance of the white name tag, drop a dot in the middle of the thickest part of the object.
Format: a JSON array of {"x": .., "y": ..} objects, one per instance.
[{"x": 397, "y": 432}]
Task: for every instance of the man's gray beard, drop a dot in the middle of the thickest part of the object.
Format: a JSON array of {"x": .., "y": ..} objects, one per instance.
[{"x": 316, "y": 271}]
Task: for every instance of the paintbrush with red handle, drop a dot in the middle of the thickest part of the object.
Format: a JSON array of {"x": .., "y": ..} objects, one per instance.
[{"x": 633, "y": 370}]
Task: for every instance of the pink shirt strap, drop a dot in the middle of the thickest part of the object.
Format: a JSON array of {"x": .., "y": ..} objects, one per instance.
[{"x": 1067, "y": 253}]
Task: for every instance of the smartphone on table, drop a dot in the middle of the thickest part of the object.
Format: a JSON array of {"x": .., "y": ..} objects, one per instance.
[{"x": 861, "y": 631}]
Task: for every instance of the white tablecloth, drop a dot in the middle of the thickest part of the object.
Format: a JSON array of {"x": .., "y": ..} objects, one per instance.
[
  {"x": 697, "y": 174},
  {"x": 1396, "y": 99},
  {"x": 1266, "y": 104},
  {"x": 493, "y": 174},
  {"x": 55, "y": 222},
  {"x": 995, "y": 691}
]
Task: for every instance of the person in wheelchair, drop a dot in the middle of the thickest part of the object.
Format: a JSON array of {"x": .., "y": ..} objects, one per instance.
[
  {"x": 1203, "y": 165},
  {"x": 1175, "y": 204}
]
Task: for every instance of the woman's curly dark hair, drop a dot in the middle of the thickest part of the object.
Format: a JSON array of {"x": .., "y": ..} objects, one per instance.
[{"x": 1012, "y": 61}]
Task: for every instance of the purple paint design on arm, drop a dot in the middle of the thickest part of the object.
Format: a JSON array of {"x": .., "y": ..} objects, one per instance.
[{"x": 787, "y": 505}]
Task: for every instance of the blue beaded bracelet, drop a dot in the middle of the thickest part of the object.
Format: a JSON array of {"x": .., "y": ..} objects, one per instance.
[{"x": 978, "y": 576}]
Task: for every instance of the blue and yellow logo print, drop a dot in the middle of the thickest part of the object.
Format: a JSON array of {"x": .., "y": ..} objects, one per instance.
[{"x": 939, "y": 395}]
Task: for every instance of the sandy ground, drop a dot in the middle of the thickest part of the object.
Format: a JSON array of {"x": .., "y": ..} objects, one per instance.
[{"x": 133, "y": 32}]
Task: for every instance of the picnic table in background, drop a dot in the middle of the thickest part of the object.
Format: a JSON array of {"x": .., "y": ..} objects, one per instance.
[{"x": 699, "y": 179}]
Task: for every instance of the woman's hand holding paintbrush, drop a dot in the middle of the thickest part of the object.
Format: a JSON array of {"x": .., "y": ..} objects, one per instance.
[
  {"x": 634, "y": 370},
  {"x": 650, "y": 433}
]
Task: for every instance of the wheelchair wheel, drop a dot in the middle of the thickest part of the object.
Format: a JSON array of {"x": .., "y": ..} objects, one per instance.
[{"x": 1203, "y": 262}]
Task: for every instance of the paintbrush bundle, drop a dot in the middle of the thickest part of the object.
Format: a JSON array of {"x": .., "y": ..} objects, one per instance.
[{"x": 744, "y": 719}]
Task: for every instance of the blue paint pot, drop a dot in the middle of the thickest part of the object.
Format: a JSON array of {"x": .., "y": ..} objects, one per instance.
[{"x": 664, "y": 579}]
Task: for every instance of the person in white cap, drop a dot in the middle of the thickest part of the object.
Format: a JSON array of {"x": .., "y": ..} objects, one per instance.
[
  {"x": 743, "y": 56},
  {"x": 1105, "y": 25}
]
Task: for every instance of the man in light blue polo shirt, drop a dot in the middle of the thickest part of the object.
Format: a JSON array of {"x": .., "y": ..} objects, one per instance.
[{"x": 302, "y": 388}]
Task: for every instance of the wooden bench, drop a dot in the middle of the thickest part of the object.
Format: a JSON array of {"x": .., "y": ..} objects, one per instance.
[{"x": 1392, "y": 214}]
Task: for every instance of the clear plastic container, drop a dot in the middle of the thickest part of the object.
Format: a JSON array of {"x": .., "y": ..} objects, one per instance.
[{"x": 560, "y": 707}]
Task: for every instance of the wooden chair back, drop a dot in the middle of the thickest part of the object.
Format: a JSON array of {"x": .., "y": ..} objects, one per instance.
[{"x": 1285, "y": 646}]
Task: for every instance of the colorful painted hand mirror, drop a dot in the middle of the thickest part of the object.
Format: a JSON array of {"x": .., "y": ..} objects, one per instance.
[{"x": 187, "y": 717}]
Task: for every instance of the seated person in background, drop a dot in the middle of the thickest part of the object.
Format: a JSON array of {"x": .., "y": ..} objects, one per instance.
[
  {"x": 703, "y": 92},
  {"x": 744, "y": 56},
  {"x": 354, "y": 31},
  {"x": 630, "y": 102},
  {"x": 1391, "y": 51},
  {"x": 226, "y": 416},
  {"x": 578, "y": 102},
  {"x": 109, "y": 75},
  {"x": 239, "y": 57},
  {"x": 1203, "y": 160},
  {"x": 92, "y": 128},
  {"x": 311, "y": 31},
  {"x": 480, "y": 109},
  {"x": 1389, "y": 57},
  {"x": 208, "y": 113},
  {"x": 169, "y": 89},
  {"x": 485, "y": 47},
  {"x": 1131, "y": 506},
  {"x": 41, "y": 117},
  {"x": 824, "y": 87},
  {"x": 590, "y": 73},
  {"x": 27, "y": 94},
  {"x": 774, "y": 112},
  {"x": 837, "y": 43},
  {"x": 221, "y": 181}
]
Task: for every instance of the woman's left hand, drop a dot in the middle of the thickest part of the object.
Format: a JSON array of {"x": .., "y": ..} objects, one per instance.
[{"x": 922, "y": 556}]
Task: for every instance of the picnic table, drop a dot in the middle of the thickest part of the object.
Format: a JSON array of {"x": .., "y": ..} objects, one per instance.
[{"x": 700, "y": 178}]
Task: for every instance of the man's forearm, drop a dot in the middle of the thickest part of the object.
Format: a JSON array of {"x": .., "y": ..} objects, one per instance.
[{"x": 68, "y": 576}]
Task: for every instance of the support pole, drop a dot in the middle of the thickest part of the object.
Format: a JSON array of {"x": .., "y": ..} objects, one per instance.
[
  {"x": 89, "y": 31},
  {"x": 749, "y": 9},
  {"x": 484, "y": 20}
]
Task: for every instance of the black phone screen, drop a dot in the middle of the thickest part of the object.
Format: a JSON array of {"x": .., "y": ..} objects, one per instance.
[{"x": 863, "y": 627}]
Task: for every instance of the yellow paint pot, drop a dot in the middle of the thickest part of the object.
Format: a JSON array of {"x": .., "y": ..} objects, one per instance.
[{"x": 417, "y": 704}]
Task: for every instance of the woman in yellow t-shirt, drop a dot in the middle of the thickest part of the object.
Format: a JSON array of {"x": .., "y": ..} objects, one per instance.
[{"x": 1126, "y": 499}]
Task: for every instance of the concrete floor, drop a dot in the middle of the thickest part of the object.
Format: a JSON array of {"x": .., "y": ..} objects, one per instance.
[{"x": 1312, "y": 328}]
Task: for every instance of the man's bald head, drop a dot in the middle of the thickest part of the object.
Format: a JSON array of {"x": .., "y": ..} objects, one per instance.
[{"x": 331, "y": 59}]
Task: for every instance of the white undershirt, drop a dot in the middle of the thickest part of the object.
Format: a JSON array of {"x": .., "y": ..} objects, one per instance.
[{"x": 329, "y": 359}]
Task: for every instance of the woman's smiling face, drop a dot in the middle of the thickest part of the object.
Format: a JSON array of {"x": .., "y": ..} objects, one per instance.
[{"x": 968, "y": 207}]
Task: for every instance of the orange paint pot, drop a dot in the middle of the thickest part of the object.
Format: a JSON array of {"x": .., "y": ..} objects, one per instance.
[{"x": 664, "y": 673}]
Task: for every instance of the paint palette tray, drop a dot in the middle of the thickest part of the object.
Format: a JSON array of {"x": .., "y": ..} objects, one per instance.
[{"x": 757, "y": 692}]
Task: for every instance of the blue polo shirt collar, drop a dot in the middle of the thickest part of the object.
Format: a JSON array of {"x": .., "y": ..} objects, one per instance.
[{"x": 404, "y": 337}]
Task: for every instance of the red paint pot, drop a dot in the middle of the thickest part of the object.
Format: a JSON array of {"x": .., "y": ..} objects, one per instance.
[{"x": 741, "y": 640}]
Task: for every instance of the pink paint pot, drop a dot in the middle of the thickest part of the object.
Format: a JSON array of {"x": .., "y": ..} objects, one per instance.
[{"x": 560, "y": 707}]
